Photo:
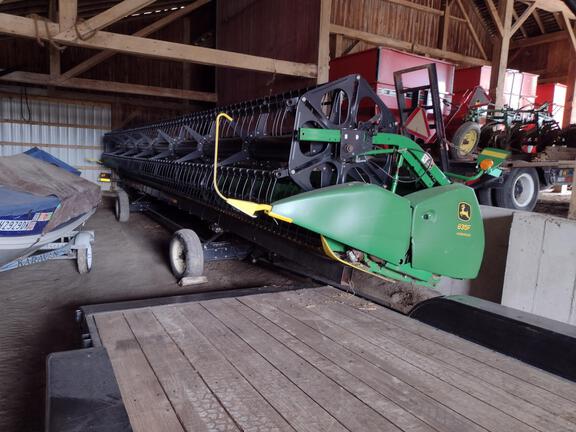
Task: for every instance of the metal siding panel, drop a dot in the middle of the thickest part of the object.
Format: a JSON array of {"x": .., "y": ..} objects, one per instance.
[{"x": 62, "y": 123}]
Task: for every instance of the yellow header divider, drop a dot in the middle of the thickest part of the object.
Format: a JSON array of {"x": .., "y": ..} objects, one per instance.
[{"x": 247, "y": 207}]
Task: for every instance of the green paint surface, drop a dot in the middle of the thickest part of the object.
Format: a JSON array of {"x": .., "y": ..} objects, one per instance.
[
  {"x": 444, "y": 240},
  {"x": 362, "y": 216}
]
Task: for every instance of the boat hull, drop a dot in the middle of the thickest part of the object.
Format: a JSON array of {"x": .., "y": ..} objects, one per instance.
[{"x": 14, "y": 247}]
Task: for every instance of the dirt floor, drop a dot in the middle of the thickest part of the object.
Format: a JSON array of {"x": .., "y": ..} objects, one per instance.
[
  {"x": 553, "y": 203},
  {"x": 37, "y": 303}
]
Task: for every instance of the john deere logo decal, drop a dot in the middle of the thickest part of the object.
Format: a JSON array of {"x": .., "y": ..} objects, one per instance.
[{"x": 464, "y": 211}]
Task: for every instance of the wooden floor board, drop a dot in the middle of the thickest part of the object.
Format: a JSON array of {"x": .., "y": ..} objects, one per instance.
[
  {"x": 335, "y": 399},
  {"x": 393, "y": 387},
  {"x": 301, "y": 411},
  {"x": 196, "y": 406},
  {"x": 146, "y": 403},
  {"x": 318, "y": 360},
  {"x": 375, "y": 332},
  {"x": 237, "y": 395},
  {"x": 470, "y": 407},
  {"x": 494, "y": 360},
  {"x": 377, "y": 401},
  {"x": 538, "y": 387}
]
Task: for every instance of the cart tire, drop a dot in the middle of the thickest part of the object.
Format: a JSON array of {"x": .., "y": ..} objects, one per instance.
[
  {"x": 84, "y": 259},
  {"x": 186, "y": 254},
  {"x": 122, "y": 206},
  {"x": 485, "y": 196},
  {"x": 465, "y": 140},
  {"x": 520, "y": 190}
]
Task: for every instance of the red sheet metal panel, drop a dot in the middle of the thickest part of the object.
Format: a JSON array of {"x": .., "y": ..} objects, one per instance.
[
  {"x": 555, "y": 95},
  {"x": 378, "y": 65},
  {"x": 364, "y": 63},
  {"x": 519, "y": 87}
]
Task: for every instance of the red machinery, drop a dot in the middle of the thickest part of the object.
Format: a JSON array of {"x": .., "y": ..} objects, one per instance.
[
  {"x": 378, "y": 65},
  {"x": 555, "y": 95},
  {"x": 519, "y": 87}
]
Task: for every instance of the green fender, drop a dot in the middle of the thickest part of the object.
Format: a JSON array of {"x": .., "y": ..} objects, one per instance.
[{"x": 363, "y": 216}]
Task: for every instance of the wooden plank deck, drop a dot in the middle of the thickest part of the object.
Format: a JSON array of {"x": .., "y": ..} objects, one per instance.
[{"x": 318, "y": 360}]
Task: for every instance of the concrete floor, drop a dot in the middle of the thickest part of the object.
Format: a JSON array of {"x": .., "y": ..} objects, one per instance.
[
  {"x": 37, "y": 303},
  {"x": 553, "y": 203}
]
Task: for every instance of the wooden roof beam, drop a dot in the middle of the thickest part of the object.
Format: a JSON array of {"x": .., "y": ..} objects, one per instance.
[
  {"x": 109, "y": 86},
  {"x": 556, "y": 6},
  {"x": 375, "y": 39},
  {"x": 472, "y": 30},
  {"x": 144, "y": 32},
  {"x": 539, "y": 22},
  {"x": 539, "y": 40},
  {"x": 515, "y": 16},
  {"x": 417, "y": 6},
  {"x": 570, "y": 32},
  {"x": 104, "y": 19},
  {"x": 495, "y": 16},
  {"x": 516, "y": 26},
  {"x": 25, "y": 27}
]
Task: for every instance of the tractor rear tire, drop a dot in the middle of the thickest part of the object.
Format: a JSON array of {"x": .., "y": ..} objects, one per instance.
[
  {"x": 186, "y": 254},
  {"x": 122, "y": 206},
  {"x": 485, "y": 196},
  {"x": 465, "y": 140},
  {"x": 520, "y": 190}
]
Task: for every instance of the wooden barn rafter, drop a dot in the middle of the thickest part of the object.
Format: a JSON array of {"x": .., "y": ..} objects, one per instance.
[{"x": 69, "y": 42}]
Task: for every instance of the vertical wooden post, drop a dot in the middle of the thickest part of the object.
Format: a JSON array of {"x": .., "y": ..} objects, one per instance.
[
  {"x": 186, "y": 67},
  {"x": 67, "y": 13},
  {"x": 444, "y": 26},
  {"x": 324, "y": 41},
  {"x": 53, "y": 53},
  {"x": 572, "y": 208},
  {"x": 338, "y": 45},
  {"x": 500, "y": 53},
  {"x": 570, "y": 103}
]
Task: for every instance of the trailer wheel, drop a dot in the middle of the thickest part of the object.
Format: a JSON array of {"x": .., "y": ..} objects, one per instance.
[
  {"x": 186, "y": 254},
  {"x": 465, "y": 140},
  {"x": 122, "y": 206},
  {"x": 520, "y": 190},
  {"x": 84, "y": 259}
]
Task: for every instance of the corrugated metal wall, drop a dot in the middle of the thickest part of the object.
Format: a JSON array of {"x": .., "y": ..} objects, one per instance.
[{"x": 69, "y": 130}]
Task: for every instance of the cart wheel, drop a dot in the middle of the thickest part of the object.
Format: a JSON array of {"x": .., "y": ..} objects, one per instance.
[
  {"x": 84, "y": 259},
  {"x": 520, "y": 190},
  {"x": 122, "y": 206},
  {"x": 465, "y": 140},
  {"x": 186, "y": 254}
]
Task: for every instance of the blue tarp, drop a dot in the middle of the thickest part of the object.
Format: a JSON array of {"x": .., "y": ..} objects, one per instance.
[
  {"x": 47, "y": 157},
  {"x": 14, "y": 203}
]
